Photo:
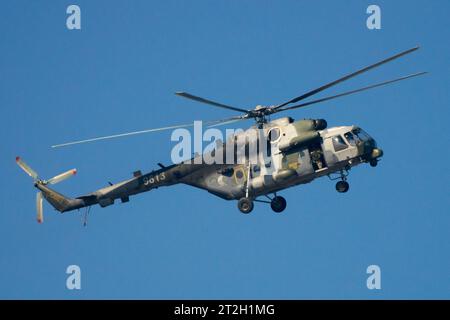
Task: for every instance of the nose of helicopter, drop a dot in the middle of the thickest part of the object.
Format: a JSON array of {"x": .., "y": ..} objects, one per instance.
[
  {"x": 368, "y": 147},
  {"x": 376, "y": 153}
]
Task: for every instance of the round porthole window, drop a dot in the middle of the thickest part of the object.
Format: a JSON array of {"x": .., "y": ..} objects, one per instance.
[
  {"x": 239, "y": 174},
  {"x": 274, "y": 135}
]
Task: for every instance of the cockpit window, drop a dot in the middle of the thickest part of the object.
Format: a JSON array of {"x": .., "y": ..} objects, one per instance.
[
  {"x": 364, "y": 134},
  {"x": 361, "y": 134},
  {"x": 350, "y": 138},
  {"x": 339, "y": 143}
]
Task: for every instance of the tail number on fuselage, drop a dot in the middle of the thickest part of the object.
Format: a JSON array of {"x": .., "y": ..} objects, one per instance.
[{"x": 153, "y": 179}]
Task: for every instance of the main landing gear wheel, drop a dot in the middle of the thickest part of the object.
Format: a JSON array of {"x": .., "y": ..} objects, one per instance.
[
  {"x": 342, "y": 186},
  {"x": 245, "y": 205},
  {"x": 278, "y": 204}
]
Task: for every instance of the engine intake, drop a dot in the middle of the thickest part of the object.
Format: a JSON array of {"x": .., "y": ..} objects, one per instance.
[{"x": 320, "y": 124}]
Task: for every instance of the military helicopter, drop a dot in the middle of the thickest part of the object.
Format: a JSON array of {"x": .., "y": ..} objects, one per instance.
[{"x": 295, "y": 152}]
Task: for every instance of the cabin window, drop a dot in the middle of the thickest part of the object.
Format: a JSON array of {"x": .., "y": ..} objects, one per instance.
[
  {"x": 256, "y": 171},
  {"x": 350, "y": 138},
  {"x": 339, "y": 143},
  {"x": 228, "y": 172},
  {"x": 274, "y": 134}
]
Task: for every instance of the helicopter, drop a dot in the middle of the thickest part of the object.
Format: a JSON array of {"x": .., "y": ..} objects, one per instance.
[{"x": 287, "y": 153}]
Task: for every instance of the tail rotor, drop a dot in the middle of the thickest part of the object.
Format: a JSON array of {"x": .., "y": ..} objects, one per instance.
[{"x": 39, "y": 197}]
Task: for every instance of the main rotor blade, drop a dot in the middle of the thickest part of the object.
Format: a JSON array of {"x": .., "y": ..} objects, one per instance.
[
  {"x": 227, "y": 121},
  {"x": 121, "y": 135},
  {"x": 351, "y": 92},
  {"x": 213, "y": 122},
  {"x": 213, "y": 103},
  {"x": 349, "y": 76}
]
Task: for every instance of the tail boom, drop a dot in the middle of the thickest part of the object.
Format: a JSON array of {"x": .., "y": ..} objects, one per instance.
[
  {"x": 58, "y": 201},
  {"x": 123, "y": 190}
]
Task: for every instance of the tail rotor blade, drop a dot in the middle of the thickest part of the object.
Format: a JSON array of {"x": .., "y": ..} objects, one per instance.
[
  {"x": 39, "y": 208},
  {"x": 62, "y": 176},
  {"x": 26, "y": 168}
]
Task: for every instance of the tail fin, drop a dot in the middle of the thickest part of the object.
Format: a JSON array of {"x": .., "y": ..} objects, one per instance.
[{"x": 57, "y": 200}]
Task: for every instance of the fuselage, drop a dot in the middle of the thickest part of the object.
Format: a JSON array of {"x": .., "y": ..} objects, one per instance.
[{"x": 287, "y": 153}]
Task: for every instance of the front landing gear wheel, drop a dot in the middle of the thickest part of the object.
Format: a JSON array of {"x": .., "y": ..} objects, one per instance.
[
  {"x": 278, "y": 204},
  {"x": 373, "y": 162},
  {"x": 342, "y": 186},
  {"x": 245, "y": 205}
]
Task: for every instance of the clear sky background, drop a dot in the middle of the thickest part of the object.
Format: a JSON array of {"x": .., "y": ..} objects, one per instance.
[{"x": 119, "y": 74}]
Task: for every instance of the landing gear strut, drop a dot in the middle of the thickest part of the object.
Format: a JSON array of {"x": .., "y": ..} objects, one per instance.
[{"x": 245, "y": 205}]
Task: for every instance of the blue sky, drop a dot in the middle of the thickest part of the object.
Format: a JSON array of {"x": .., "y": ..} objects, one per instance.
[{"x": 119, "y": 74}]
